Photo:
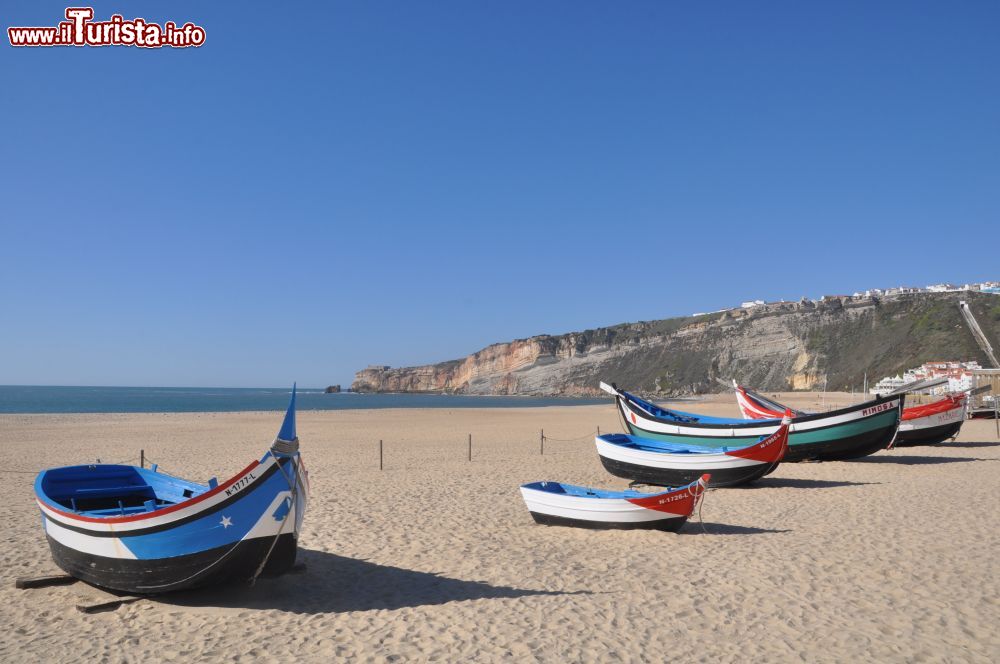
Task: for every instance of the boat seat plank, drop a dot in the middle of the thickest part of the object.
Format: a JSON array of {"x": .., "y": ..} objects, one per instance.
[
  {"x": 115, "y": 511},
  {"x": 112, "y": 490}
]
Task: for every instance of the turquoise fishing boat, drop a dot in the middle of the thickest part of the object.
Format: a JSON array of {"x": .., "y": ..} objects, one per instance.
[{"x": 846, "y": 433}]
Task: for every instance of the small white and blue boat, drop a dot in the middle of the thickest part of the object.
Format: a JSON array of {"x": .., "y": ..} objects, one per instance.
[
  {"x": 671, "y": 464},
  {"x": 142, "y": 531},
  {"x": 558, "y": 504}
]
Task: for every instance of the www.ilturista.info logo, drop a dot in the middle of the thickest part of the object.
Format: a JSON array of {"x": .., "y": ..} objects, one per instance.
[{"x": 80, "y": 30}]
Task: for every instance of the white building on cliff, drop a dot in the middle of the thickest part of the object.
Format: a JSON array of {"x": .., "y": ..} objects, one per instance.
[{"x": 959, "y": 374}]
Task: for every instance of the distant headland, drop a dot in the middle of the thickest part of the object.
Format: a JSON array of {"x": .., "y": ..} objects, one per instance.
[{"x": 831, "y": 343}]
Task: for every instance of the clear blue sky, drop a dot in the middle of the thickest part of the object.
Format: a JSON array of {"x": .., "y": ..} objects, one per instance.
[{"x": 328, "y": 185}]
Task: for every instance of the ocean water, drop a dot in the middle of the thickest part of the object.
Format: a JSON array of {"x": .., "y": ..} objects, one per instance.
[{"x": 37, "y": 399}]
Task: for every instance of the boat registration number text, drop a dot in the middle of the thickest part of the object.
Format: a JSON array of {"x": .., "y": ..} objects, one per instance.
[{"x": 240, "y": 484}]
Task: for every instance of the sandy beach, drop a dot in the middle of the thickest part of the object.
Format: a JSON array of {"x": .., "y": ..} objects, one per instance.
[{"x": 888, "y": 558}]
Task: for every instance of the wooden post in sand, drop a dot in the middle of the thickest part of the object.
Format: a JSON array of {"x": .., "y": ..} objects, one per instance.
[
  {"x": 541, "y": 436},
  {"x": 470, "y": 447},
  {"x": 598, "y": 430},
  {"x": 380, "y": 454},
  {"x": 142, "y": 458}
]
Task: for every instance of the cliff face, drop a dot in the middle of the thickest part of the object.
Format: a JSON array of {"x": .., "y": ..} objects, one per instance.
[{"x": 773, "y": 347}]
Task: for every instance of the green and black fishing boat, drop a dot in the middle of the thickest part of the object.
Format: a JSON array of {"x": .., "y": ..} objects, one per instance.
[{"x": 846, "y": 433}]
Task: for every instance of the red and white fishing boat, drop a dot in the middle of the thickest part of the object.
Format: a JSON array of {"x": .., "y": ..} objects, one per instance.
[
  {"x": 923, "y": 424},
  {"x": 558, "y": 504}
]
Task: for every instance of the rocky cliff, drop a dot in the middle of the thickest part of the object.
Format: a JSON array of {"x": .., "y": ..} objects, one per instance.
[{"x": 776, "y": 346}]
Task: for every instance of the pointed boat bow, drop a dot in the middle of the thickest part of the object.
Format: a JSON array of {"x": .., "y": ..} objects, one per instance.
[
  {"x": 681, "y": 502},
  {"x": 771, "y": 449}
]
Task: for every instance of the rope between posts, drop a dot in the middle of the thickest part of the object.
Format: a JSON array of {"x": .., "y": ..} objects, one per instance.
[
  {"x": 35, "y": 472},
  {"x": 568, "y": 440},
  {"x": 150, "y": 462}
]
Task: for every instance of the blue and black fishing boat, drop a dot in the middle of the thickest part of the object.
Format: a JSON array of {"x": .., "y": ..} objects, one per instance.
[
  {"x": 671, "y": 464},
  {"x": 142, "y": 531},
  {"x": 846, "y": 433}
]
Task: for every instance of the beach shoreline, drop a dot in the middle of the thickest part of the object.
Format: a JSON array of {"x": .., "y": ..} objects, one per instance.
[{"x": 888, "y": 558}]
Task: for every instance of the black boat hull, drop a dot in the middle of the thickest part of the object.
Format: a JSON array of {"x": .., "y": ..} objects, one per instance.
[
  {"x": 851, "y": 447},
  {"x": 671, "y": 525},
  {"x": 929, "y": 435},
  {"x": 147, "y": 577},
  {"x": 725, "y": 477}
]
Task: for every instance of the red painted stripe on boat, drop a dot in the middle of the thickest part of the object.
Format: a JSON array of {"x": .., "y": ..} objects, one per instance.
[
  {"x": 769, "y": 450},
  {"x": 680, "y": 502},
  {"x": 156, "y": 513},
  {"x": 753, "y": 408},
  {"x": 942, "y": 406}
]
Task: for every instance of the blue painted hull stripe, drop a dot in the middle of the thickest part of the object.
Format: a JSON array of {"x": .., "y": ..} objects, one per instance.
[{"x": 180, "y": 522}]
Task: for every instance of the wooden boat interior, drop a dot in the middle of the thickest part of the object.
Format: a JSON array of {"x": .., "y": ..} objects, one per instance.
[
  {"x": 588, "y": 492},
  {"x": 105, "y": 490}
]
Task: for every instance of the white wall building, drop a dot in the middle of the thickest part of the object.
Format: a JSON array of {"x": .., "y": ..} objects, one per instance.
[
  {"x": 942, "y": 288},
  {"x": 890, "y": 384},
  {"x": 959, "y": 375}
]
